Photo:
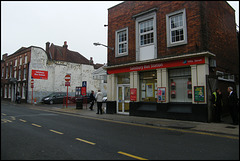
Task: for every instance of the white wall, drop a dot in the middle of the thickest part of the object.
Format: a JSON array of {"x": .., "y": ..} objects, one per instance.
[{"x": 57, "y": 71}]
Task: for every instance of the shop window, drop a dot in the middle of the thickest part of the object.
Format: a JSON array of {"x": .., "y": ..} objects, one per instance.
[
  {"x": 148, "y": 86},
  {"x": 180, "y": 85}
]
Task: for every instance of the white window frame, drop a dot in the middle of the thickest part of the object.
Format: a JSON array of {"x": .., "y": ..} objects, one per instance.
[
  {"x": 19, "y": 74},
  {"x": 141, "y": 18},
  {"x": 25, "y": 59},
  {"x": 15, "y": 63},
  {"x": 184, "y": 27},
  {"x": 230, "y": 78},
  {"x": 117, "y": 43},
  {"x": 20, "y": 61}
]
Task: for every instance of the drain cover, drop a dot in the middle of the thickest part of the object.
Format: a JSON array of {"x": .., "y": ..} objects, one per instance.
[{"x": 230, "y": 127}]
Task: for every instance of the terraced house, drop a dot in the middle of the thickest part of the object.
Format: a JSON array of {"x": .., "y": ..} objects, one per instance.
[{"x": 169, "y": 56}]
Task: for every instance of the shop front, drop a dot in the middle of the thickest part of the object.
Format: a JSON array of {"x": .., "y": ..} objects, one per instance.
[{"x": 173, "y": 87}]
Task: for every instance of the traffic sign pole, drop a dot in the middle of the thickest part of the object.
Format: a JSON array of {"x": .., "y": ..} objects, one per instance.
[{"x": 67, "y": 79}]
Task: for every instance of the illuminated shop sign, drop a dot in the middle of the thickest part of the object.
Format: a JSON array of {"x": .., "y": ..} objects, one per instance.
[{"x": 175, "y": 63}]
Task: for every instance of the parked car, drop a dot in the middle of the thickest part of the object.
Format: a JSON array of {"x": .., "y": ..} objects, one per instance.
[{"x": 56, "y": 97}]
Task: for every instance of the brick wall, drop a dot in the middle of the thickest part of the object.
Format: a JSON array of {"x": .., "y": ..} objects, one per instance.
[{"x": 210, "y": 27}]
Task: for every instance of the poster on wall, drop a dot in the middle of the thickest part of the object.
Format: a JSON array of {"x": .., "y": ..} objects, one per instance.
[
  {"x": 149, "y": 89},
  {"x": 161, "y": 94},
  {"x": 199, "y": 95},
  {"x": 133, "y": 94}
]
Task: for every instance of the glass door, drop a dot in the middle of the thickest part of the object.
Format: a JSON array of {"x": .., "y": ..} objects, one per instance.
[{"x": 123, "y": 92}]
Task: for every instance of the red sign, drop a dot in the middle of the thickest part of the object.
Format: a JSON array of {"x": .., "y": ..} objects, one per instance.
[
  {"x": 175, "y": 63},
  {"x": 32, "y": 81},
  {"x": 133, "y": 94},
  {"x": 39, "y": 74},
  {"x": 32, "y": 86},
  {"x": 67, "y": 78},
  {"x": 84, "y": 91},
  {"x": 67, "y": 83}
]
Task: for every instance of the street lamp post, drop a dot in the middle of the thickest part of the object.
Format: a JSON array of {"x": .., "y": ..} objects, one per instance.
[{"x": 96, "y": 44}]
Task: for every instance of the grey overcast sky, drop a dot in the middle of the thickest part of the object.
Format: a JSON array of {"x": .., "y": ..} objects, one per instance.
[{"x": 80, "y": 23}]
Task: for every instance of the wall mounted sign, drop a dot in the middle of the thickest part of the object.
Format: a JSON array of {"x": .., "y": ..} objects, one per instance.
[
  {"x": 149, "y": 66},
  {"x": 161, "y": 94},
  {"x": 133, "y": 94},
  {"x": 39, "y": 74},
  {"x": 199, "y": 95}
]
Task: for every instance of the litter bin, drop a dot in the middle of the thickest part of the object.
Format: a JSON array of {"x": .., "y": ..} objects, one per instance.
[{"x": 79, "y": 103}]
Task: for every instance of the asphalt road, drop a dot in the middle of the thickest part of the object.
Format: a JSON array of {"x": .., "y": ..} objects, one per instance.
[{"x": 27, "y": 133}]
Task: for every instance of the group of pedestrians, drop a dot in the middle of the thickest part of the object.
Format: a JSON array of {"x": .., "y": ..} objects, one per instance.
[
  {"x": 232, "y": 103},
  {"x": 98, "y": 98}
]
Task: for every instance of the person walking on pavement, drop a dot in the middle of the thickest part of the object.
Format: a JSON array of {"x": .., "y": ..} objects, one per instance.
[
  {"x": 217, "y": 105},
  {"x": 99, "y": 98},
  {"x": 92, "y": 99},
  {"x": 232, "y": 103}
]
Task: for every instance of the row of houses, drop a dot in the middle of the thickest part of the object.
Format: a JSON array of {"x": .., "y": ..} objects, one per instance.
[{"x": 47, "y": 68}]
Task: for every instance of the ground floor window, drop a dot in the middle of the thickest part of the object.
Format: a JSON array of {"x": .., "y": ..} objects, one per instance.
[
  {"x": 148, "y": 86},
  {"x": 180, "y": 85}
]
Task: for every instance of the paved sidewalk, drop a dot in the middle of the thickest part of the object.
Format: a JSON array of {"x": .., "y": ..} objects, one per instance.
[{"x": 218, "y": 128}]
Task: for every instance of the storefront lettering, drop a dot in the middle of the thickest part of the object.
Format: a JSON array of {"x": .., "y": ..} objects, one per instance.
[{"x": 168, "y": 64}]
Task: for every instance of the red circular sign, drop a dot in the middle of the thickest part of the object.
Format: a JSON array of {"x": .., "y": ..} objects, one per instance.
[
  {"x": 32, "y": 81},
  {"x": 67, "y": 78}
]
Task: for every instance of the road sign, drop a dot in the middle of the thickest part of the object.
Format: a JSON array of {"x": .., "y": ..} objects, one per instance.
[
  {"x": 67, "y": 77},
  {"x": 32, "y": 86},
  {"x": 67, "y": 83},
  {"x": 84, "y": 84},
  {"x": 32, "y": 81}
]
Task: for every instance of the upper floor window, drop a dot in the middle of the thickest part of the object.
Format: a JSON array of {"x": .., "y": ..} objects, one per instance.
[
  {"x": 176, "y": 28},
  {"x": 146, "y": 32},
  {"x": 25, "y": 61},
  {"x": 15, "y": 62},
  {"x": 20, "y": 63},
  {"x": 122, "y": 42},
  {"x": 146, "y": 35}
]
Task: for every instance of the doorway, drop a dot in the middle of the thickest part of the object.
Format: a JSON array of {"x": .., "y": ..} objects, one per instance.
[{"x": 123, "y": 95}]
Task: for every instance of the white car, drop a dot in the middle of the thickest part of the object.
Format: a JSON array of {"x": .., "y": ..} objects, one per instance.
[{"x": 104, "y": 99}]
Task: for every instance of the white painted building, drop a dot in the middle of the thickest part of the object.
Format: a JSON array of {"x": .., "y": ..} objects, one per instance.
[{"x": 62, "y": 61}]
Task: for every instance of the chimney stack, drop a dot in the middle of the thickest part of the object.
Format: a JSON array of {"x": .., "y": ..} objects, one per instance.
[
  {"x": 65, "y": 46},
  {"x": 47, "y": 47},
  {"x": 4, "y": 56},
  {"x": 91, "y": 61}
]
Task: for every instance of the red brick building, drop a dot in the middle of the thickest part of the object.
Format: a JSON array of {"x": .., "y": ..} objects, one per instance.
[{"x": 172, "y": 55}]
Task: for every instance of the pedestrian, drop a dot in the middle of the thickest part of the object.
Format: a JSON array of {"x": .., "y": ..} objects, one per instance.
[
  {"x": 99, "y": 98},
  {"x": 92, "y": 99},
  {"x": 232, "y": 104},
  {"x": 17, "y": 94},
  {"x": 217, "y": 105}
]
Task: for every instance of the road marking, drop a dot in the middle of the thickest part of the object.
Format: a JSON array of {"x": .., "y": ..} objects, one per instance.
[
  {"x": 22, "y": 120},
  {"x": 3, "y": 114},
  {"x": 5, "y": 120},
  {"x": 36, "y": 125},
  {"x": 56, "y": 132},
  {"x": 132, "y": 156},
  {"x": 148, "y": 126},
  {"x": 86, "y": 141}
]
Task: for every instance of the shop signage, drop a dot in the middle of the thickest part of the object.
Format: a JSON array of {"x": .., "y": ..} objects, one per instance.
[
  {"x": 161, "y": 94},
  {"x": 199, "y": 95},
  {"x": 133, "y": 94},
  {"x": 39, "y": 74},
  {"x": 175, "y": 63}
]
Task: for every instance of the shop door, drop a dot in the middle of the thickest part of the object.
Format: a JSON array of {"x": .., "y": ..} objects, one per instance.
[{"x": 123, "y": 96}]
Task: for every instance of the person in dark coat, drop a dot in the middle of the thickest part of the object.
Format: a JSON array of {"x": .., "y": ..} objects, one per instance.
[
  {"x": 92, "y": 99},
  {"x": 232, "y": 104}
]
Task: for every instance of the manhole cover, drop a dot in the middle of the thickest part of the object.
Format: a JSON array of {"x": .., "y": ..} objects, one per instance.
[{"x": 230, "y": 127}]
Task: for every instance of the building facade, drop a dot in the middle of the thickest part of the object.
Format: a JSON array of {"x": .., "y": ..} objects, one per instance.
[
  {"x": 47, "y": 68},
  {"x": 169, "y": 57}
]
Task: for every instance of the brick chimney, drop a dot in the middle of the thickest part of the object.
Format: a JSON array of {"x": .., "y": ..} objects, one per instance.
[
  {"x": 4, "y": 56},
  {"x": 65, "y": 46},
  {"x": 47, "y": 47},
  {"x": 91, "y": 61}
]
